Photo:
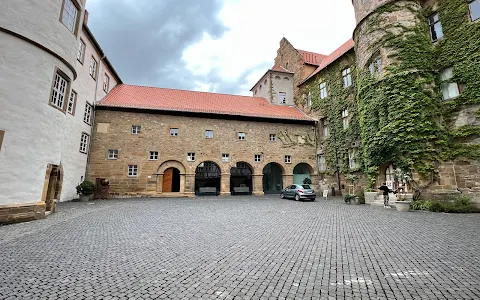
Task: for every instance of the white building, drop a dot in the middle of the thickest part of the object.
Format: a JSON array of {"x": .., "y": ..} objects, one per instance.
[{"x": 48, "y": 84}]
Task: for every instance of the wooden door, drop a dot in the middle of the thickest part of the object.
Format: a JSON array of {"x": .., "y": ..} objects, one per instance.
[{"x": 167, "y": 181}]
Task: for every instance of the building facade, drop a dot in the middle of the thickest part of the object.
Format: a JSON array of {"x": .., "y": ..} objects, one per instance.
[{"x": 44, "y": 121}]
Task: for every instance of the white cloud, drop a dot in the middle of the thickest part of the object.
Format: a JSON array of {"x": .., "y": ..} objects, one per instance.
[{"x": 256, "y": 28}]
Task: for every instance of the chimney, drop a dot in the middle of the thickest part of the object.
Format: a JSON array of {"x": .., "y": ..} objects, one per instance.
[{"x": 85, "y": 18}]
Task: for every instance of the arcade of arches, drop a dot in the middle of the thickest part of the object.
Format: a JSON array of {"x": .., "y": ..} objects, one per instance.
[{"x": 232, "y": 179}]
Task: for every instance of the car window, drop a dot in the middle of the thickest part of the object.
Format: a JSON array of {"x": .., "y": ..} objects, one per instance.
[
  {"x": 306, "y": 186},
  {"x": 292, "y": 187}
]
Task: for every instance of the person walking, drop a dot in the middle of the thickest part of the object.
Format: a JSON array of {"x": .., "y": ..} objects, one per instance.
[{"x": 384, "y": 188}]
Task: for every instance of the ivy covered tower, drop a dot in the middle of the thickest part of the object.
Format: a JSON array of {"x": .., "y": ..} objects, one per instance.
[{"x": 397, "y": 98}]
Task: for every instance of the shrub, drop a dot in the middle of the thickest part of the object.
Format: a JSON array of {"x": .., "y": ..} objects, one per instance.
[
  {"x": 361, "y": 197},
  {"x": 421, "y": 205},
  {"x": 347, "y": 198},
  {"x": 460, "y": 204},
  {"x": 86, "y": 188},
  {"x": 307, "y": 180}
]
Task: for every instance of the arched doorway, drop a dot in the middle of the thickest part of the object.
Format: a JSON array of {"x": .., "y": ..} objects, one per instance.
[
  {"x": 241, "y": 179},
  {"x": 171, "y": 180},
  {"x": 300, "y": 172},
  {"x": 53, "y": 186},
  {"x": 207, "y": 178},
  {"x": 272, "y": 178}
]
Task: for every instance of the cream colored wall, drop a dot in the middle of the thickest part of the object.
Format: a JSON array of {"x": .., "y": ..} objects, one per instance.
[{"x": 282, "y": 85}]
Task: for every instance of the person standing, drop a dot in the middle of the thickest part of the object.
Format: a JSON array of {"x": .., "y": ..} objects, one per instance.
[{"x": 384, "y": 188}]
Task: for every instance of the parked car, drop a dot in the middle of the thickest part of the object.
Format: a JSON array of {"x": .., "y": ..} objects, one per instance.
[{"x": 299, "y": 192}]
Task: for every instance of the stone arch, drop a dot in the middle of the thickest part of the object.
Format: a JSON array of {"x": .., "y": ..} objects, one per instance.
[
  {"x": 301, "y": 171},
  {"x": 241, "y": 178},
  {"x": 171, "y": 177},
  {"x": 171, "y": 164},
  {"x": 52, "y": 187},
  {"x": 208, "y": 175},
  {"x": 273, "y": 178}
]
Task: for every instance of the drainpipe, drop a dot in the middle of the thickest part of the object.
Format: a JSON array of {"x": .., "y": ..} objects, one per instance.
[{"x": 93, "y": 116}]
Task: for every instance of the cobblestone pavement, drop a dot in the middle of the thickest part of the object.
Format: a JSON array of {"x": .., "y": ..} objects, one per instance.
[{"x": 240, "y": 248}]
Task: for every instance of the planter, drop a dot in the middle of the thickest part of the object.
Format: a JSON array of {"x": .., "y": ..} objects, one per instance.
[
  {"x": 403, "y": 205},
  {"x": 85, "y": 198},
  {"x": 370, "y": 197},
  {"x": 355, "y": 201}
]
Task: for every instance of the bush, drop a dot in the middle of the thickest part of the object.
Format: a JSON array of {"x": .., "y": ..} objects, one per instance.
[
  {"x": 361, "y": 197},
  {"x": 86, "y": 188},
  {"x": 421, "y": 205},
  {"x": 347, "y": 198},
  {"x": 307, "y": 180},
  {"x": 461, "y": 204}
]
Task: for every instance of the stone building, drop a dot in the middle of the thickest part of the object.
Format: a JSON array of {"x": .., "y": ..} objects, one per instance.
[
  {"x": 153, "y": 141},
  {"x": 50, "y": 72}
]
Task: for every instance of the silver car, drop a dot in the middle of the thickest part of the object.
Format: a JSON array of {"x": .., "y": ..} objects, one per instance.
[{"x": 299, "y": 192}]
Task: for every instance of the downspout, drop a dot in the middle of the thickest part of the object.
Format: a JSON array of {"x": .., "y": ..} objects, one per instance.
[{"x": 92, "y": 126}]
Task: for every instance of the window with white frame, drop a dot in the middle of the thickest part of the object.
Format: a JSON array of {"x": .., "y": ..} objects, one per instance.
[
  {"x": 87, "y": 117},
  {"x": 273, "y": 137},
  {"x": 84, "y": 140},
  {"x": 59, "y": 90},
  {"x": 288, "y": 159},
  {"x": 93, "y": 67},
  {"x": 352, "y": 163},
  {"x": 81, "y": 51},
  {"x": 325, "y": 127},
  {"x": 209, "y": 134},
  {"x": 258, "y": 158},
  {"x": 112, "y": 154},
  {"x": 106, "y": 82},
  {"x": 282, "y": 97},
  {"x": 323, "y": 90},
  {"x": 241, "y": 136},
  {"x": 309, "y": 99},
  {"x": 436, "y": 30},
  {"x": 322, "y": 163},
  {"x": 132, "y": 170},
  {"x": 375, "y": 66},
  {"x": 136, "y": 129},
  {"x": 153, "y": 155},
  {"x": 449, "y": 89},
  {"x": 191, "y": 156},
  {"x": 69, "y": 15},
  {"x": 71, "y": 102},
  {"x": 345, "y": 118},
  {"x": 474, "y": 9},
  {"x": 347, "y": 77},
  {"x": 225, "y": 157},
  {"x": 173, "y": 131}
]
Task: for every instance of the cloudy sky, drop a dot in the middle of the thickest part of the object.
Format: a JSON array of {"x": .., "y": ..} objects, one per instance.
[{"x": 221, "y": 46}]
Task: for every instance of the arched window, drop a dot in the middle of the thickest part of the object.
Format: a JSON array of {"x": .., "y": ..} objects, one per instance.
[{"x": 286, "y": 79}]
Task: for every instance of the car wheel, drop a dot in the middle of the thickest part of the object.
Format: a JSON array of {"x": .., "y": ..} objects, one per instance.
[
  {"x": 313, "y": 199},
  {"x": 282, "y": 196},
  {"x": 297, "y": 197}
]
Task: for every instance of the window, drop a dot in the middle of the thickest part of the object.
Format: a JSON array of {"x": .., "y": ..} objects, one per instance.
[
  {"x": 323, "y": 90},
  {"x": 241, "y": 136},
  {"x": 69, "y": 15},
  {"x": 209, "y": 134},
  {"x": 309, "y": 99},
  {"x": 225, "y": 157},
  {"x": 282, "y": 97},
  {"x": 112, "y": 154},
  {"x": 286, "y": 79},
  {"x": 288, "y": 159},
  {"x": 173, "y": 131},
  {"x": 325, "y": 127},
  {"x": 84, "y": 142},
  {"x": 322, "y": 164},
  {"x": 265, "y": 82},
  {"x": 72, "y": 102},
  {"x": 136, "y": 129},
  {"x": 449, "y": 89},
  {"x": 375, "y": 66},
  {"x": 273, "y": 137},
  {"x": 191, "y": 156},
  {"x": 345, "y": 118},
  {"x": 436, "y": 30},
  {"x": 87, "y": 117},
  {"x": 352, "y": 163},
  {"x": 132, "y": 170},
  {"x": 347, "y": 77},
  {"x": 258, "y": 158},
  {"x": 93, "y": 67},
  {"x": 59, "y": 90},
  {"x": 474, "y": 9},
  {"x": 153, "y": 155},
  {"x": 106, "y": 82},
  {"x": 81, "y": 51}
]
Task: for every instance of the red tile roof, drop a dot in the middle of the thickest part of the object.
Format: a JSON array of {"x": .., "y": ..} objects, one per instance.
[
  {"x": 332, "y": 57},
  {"x": 311, "y": 58},
  {"x": 161, "y": 99},
  {"x": 278, "y": 68}
]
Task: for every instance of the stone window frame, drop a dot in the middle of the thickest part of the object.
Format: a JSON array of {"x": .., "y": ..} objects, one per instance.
[
  {"x": 470, "y": 10},
  {"x": 209, "y": 134},
  {"x": 272, "y": 137},
  {"x": 62, "y": 75},
  {"x": 136, "y": 129},
  {"x": 447, "y": 84},
  {"x": 257, "y": 158},
  {"x": 225, "y": 157},
  {"x": 323, "y": 90},
  {"x": 190, "y": 156},
  {"x": 84, "y": 142},
  {"x": 106, "y": 82},
  {"x": 87, "y": 116},
  {"x": 93, "y": 68},
  {"x": 174, "y": 131},
  {"x": 132, "y": 170},
  {"x": 287, "y": 159},
  {"x": 154, "y": 155},
  {"x": 76, "y": 24},
  {"x": 345, "y": 118},
  {"x": 280, "y": 100},
  {"x": 81, "y": 51},
  {"x": 112, "y": 154},
  {"x": 72, "y": 102},
  {"x": 241, "y": 136},
  {"x": 347, "y": 77},
  {"x": 435, "y": 27}
]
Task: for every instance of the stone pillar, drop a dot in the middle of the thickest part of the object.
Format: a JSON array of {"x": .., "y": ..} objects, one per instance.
[
  {"x": 258, "y": 185},
  {"x": 225, "y": 184},
  {"x": 287, "y": 180},
  {"x": 190, "y": 184},
  {"x": 159, "y": 183},
  {"x": 182, "y": 183}
]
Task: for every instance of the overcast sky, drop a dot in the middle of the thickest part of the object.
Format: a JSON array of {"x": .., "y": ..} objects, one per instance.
[{"x": 221, "y": 46}]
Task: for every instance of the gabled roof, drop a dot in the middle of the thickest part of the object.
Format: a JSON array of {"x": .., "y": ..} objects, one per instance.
[
  {"x": 311, "y": 58},
  {"x": 170, "y": 100},
  {"x": 347, "y": 46},
  {"x": 276, "y": 68}
]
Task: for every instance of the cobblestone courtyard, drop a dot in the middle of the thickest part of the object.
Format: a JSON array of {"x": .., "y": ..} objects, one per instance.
[{"x": 240, "y": 248}]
